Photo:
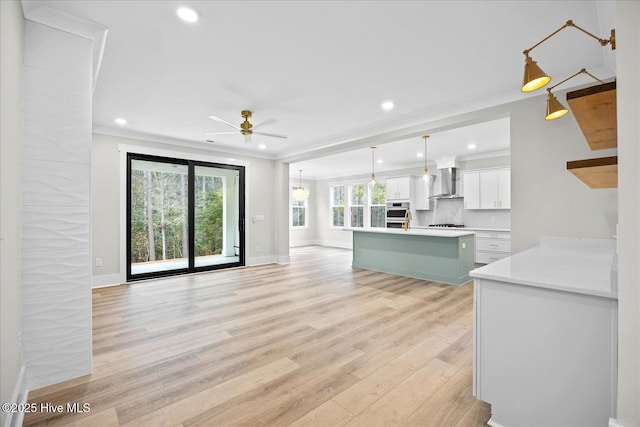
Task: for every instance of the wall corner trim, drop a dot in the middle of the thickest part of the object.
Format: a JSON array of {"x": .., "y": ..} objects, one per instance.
[{"x": 19, "y": 396}]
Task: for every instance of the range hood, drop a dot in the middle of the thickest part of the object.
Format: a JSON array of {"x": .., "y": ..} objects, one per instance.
[{"x": 445, "y": 184}]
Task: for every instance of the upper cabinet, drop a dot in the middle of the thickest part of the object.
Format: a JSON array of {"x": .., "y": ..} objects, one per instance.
[
  {"x": 422, "y": 192},
  {"x": 487, "y": 189},
  {"x": 471, "y": 187},
  {"x": 400, "y": 188}
]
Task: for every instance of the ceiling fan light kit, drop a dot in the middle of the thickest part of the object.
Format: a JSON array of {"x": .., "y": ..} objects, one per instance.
[
  {"x": 534, "y": 78},
  {"x": 246, "y": 128}
]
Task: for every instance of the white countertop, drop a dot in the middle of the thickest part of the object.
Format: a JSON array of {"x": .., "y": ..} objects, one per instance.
[
  {"x": 456, "y": 232},
  {"x": 426, "y": 227},
  {"x": 566, "y": 264}
]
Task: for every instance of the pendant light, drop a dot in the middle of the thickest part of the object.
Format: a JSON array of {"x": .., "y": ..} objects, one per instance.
[
  {"x": 425, "y": 176},
  {"x": 300, "y": 194},
  {"x": 372, "y": 183}
]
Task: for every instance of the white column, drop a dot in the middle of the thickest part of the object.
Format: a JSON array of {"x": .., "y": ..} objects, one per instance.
[
  {"x": 281, "y": 212},
  {"x": 56, "y": 232},
  {"x": 628, "y": 98}
]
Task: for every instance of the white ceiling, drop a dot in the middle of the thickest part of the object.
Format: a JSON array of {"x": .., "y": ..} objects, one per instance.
[{"x": 320, "y": 69}]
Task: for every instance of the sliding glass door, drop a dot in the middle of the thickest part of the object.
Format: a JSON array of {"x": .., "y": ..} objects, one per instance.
[{"x": 183, "y": 216}]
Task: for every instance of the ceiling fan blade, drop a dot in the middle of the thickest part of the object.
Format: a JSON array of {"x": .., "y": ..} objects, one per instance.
[
  {"x": 274, "y": 135},
  {"x": 267, "y": 122},
  {"x": 221, "y": 133},
  {"x": 247, "y": 139},
  {"x": 218, "y": 119}
]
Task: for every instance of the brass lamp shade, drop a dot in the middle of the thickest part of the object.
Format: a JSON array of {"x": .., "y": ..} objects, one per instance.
[
  {"x": 534, "y": 77},
  {"x": 555, "y": 109}
]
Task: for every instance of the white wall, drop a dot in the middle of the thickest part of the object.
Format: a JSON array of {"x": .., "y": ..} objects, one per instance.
[
  {"x": 106, "y": 204},
  {"x": 628, "y": 98},
  {"x": 546, "y": 199},
  {"x": 11, "y": 59},
  {"x": 56, "y": 240}
]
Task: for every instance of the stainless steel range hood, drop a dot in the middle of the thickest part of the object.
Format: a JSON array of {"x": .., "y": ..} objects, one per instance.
[{"x": 445, "y": 184}]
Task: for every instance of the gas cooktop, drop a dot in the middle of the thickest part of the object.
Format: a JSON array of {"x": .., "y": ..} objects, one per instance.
[{"x": 447, "y": 225}]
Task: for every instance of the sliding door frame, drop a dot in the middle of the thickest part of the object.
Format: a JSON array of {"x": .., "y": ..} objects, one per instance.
[{"x": 191, "y": 165}]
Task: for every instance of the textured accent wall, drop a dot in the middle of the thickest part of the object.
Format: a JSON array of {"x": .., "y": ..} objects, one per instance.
[{"x": 56, "y": 231}]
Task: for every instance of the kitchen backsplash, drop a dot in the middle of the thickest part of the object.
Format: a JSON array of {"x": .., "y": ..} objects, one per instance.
[{"x": 451, "y": 211}]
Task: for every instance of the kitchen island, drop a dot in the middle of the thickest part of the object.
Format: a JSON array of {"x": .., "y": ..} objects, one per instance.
[{"x": 444, "y": 256}]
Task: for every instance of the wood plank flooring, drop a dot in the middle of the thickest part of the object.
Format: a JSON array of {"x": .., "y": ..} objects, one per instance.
[{"x": 312, "y": 343}]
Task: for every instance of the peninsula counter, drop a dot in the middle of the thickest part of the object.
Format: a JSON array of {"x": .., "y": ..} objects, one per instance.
[{"x": 444, "y": 256}]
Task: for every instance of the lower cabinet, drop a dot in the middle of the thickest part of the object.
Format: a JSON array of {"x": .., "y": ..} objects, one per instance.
[
  {"x": 544, "y": 357},
  {"x": 492, "y": 246}
]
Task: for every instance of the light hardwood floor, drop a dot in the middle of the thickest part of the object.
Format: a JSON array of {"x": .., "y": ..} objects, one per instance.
[{"x": 312, "y": 343}]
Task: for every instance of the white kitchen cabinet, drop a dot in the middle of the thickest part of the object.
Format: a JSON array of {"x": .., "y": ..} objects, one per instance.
[
  {"x": 545, "y": 335},
  {"x": 421, "y": 200},
  {"x": 492, "y": 246},
  {"x": 399, "y": 188},
  {"x": 471, "y": 188},
  {"x": 487, "y": 189},
  {"x": 504, "y": 188}
]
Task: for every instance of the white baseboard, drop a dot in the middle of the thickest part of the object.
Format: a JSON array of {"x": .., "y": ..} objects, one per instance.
[
  {"x": 493, "y": 423},
  {"x": 19, "y": 396},
  {"x": 614, "y": 423},
  {"x": 335, "y": 244},
  {"x": 106, "y": 280},
  {"x": 283, "y": 259},
  {"x": 295, "y": 244},
  {"x": 260, "y": 260}
]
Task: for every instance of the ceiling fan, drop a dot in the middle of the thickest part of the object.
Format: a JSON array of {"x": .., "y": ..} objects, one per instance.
[{"x": 246, "y": 128}]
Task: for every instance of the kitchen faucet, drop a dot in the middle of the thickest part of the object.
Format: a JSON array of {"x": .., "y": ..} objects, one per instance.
[{"x": 407, "y": 220}]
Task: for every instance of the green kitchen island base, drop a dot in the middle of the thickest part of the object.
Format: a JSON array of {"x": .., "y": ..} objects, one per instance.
[{"x": 437, "y": 255}]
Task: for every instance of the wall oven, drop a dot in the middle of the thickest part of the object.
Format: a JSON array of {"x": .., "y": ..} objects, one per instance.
[{"x": 396, "y": 212}]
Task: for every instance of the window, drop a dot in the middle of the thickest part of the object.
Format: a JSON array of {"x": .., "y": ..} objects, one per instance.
[
  {"x": 298, "y": 212},
  {"x": 183, "y": 216},
  {"x": 378, "y": 204},
  {"x": 337, "y": 205},
  {"x": 356, "y": 205}
]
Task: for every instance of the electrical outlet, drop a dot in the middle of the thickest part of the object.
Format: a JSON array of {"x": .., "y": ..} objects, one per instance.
[
  {"x": 257, "y": 248},
  {"x": 464, "y": 246},
  {"x": 98, "y": 262}
]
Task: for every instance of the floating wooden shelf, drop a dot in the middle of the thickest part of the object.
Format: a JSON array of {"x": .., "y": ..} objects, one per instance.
[
  {"x": 596, "y": 173},
  {"x": 595, "y": 111}
]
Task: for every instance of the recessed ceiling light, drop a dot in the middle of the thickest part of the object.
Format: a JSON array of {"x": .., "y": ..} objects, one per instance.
[
  {"x": 471, "y": 146},
  {"x": 262, "y": 146},
  {"x": 120, "y": 121},
  {"x": 187, "y": 14},
  {"x": 387, "y": 105},
  {"x": 380, "y": 161},
  {"x": 418, "y": 154}
]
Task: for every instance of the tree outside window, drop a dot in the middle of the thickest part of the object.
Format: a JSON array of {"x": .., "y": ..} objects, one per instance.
[
  {"x": 378, "y": 205},
  {"x": 356, "y": 205},
  {"x": 337, "y": 205}
]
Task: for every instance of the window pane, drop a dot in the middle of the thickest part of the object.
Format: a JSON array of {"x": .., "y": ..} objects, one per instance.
[
  {"x": 158, "y": 216},
  {"x": 338, "y": 217},
  {"x": 378, "y": 216},
  {"x": 357, "y": 194},
  {"x": 298, "y": 217},
  {"x": 378, "y": 195},
  {"x": 338, "y": 195},
  {"x": 357, "y": 216}
]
